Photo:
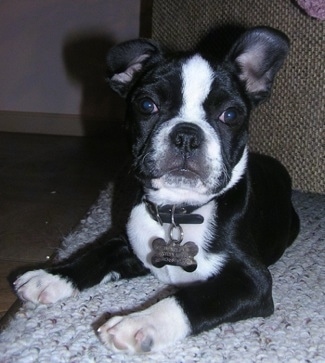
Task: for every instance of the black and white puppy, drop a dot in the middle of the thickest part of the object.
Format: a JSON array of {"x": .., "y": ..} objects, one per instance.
[{"x": 208, "y": 216}]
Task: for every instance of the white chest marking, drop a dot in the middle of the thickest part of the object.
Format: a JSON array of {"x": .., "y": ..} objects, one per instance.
[{"x": 142, "y": 230}]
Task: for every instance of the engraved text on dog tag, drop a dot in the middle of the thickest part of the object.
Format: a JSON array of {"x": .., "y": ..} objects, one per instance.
[{"x": 175, "y": 254}]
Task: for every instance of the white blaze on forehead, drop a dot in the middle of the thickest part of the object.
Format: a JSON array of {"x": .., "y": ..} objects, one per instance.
[{"x": 197, "y": 77}]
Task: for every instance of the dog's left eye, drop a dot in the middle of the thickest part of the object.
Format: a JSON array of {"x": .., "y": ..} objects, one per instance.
[
  {"x": 230, "y": 116},
  {"x": 147, "y": 106}
]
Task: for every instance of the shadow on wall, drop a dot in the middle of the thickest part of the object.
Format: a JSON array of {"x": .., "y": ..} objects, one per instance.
[{"x": 84, "y": 56}]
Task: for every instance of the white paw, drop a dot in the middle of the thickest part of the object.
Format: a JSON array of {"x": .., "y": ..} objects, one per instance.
[
  {"x": 39, "y": 286},
  {"x": 147, "y": 331}
]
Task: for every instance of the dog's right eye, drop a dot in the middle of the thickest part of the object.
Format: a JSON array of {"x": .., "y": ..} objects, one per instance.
[{"x": 147, "y": 106}]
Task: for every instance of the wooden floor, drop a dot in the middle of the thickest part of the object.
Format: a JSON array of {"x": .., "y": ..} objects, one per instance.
[{"x": 47, "y": 183}]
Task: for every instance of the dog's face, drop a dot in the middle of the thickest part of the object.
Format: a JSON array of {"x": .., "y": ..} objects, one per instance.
[{"x": 188, "y": 115}]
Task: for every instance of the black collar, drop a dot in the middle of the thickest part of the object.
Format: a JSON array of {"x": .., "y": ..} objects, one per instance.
[{"x": 181, "y": 215}]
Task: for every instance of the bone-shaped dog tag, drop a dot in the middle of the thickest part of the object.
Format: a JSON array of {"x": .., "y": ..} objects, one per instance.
[{"x": 175, "y": 254}]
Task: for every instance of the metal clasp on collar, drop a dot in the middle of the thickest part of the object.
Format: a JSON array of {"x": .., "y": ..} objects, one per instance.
[
  {"x": 175, "y": 228},
  {"x": 157, "y": 214}
]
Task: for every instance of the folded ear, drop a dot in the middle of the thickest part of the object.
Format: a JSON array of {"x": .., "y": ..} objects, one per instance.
[
  {"x": 258, "y": 55},
  {"x": 125, "y": 62}
]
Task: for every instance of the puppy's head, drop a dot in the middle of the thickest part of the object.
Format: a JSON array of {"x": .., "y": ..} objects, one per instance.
[{"x": 188, "y": 114}]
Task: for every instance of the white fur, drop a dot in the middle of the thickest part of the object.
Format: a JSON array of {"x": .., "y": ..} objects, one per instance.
[
  {"x": 149, "y": 330},
  {"x": 197, "y": 76},
  {"x": 238, "y": 171},
  {"x": 142, "y": 230},
  {"x": 39, "y": 286},
  {"x": 111, "y": 276}
]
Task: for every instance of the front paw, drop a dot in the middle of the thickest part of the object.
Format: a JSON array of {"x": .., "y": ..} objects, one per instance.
[
  {"x": 132, "y": 333},
  {"x": 147, "y": 331},
  {"x": 39, "y": 286}
]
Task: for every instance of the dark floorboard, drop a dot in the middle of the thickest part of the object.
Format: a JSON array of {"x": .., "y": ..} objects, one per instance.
[{"x": 47, "y": 183}]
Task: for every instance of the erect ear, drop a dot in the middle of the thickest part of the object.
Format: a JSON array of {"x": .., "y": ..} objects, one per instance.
[
  {"x": 125, "y": 62},
  {"x": 258, "y": 55}
]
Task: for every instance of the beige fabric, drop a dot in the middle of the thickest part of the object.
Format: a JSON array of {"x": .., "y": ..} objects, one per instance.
[{"x": 290, "y": 126}]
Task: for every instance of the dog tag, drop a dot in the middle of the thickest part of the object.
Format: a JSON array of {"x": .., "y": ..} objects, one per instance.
[{"x": 175, "y": 254}]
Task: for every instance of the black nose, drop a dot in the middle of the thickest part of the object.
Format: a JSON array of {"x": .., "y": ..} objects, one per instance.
[{"x": 186, "y": 137}]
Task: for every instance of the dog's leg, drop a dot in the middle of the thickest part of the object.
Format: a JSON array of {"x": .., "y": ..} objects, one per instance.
[
  {"x": 149, "y": 330},
  {"x": 238, "y": 292},
  {"x": 112, "y": 259},
  {"x": 242, "y": 290}
]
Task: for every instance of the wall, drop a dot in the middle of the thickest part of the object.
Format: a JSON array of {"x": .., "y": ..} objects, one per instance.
[{"x": 52, "y": 61}]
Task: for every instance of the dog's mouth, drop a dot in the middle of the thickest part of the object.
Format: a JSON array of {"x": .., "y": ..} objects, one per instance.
[
  {"x": 180, "y": 178},
  {"x": 178, "y": 186},
  {"x": 183, "y": 173}
]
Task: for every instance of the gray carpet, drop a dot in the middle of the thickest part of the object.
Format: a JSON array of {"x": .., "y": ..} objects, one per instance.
[{"x": 65, "y": 332}]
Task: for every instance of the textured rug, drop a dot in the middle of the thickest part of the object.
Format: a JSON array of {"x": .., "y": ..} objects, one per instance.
[{"x": 65, "y": 332}]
